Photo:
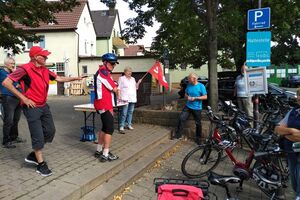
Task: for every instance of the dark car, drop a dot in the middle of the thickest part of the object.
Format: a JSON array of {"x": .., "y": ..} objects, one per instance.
[
  {"x": 291, "y": 81},
  {"x": 184, "y": 82}
]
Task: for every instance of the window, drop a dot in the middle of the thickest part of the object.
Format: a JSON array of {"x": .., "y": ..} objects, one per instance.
[
  {"x": 60, "y": 67},
  {"x": 84, "y": 69},
  {"x": 42, "y": 41},
  {"x": 29, "y": 45}
]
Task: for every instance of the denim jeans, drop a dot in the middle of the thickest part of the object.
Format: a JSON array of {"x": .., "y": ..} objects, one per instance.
[
  {"x": 12, "y": 114},
  {"x": 126, "y": 115},
  {"x": 294, "y": 168},
  {"x": 184, "y": 115}
]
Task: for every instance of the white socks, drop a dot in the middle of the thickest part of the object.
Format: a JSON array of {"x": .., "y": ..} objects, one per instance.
[
  {"x": 105, "y": 152},
  {"x": 99, "y": 147}
]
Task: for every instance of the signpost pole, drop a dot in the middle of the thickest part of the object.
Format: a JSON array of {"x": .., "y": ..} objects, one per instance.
[{"x": 255, "y": 99}]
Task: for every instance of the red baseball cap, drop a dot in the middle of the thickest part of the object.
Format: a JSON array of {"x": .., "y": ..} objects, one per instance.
[{"x": 38, "y": 51}]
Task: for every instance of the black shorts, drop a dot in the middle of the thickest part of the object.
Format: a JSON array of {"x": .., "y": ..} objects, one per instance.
[{"x": 107, "y": 122}]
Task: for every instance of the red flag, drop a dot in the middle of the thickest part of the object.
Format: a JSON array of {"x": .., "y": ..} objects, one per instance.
[{"x": 157, "y": 72}]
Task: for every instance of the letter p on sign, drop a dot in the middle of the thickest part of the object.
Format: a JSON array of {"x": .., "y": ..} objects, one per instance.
[{"x": 257, "y": 14}]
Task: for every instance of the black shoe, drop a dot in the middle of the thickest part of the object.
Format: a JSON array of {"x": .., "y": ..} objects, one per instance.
[
  {"x": 43, "y": 169},
  {"x": 31, "y": 159},
  {"x": 19, "y": 140},
  {"x": 109, "y": 158},
  {"x": 9, "y": 145},
  {"x": 97, "y": 154}
]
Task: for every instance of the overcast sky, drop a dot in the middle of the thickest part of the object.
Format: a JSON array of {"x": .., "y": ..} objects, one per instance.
[{"x": 126, "y": 13}]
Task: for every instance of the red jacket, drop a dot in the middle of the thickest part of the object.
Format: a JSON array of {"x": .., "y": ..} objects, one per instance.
[
  {"x": 104, "y": 84},
  {"x": 35, "y": 86}
]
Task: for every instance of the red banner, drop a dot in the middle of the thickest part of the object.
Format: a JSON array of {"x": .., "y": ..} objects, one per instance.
[{"x": 157, "y": 72}]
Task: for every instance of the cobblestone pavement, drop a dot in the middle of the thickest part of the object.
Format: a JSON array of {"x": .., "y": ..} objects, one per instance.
[{"x": 170, "y": 167}]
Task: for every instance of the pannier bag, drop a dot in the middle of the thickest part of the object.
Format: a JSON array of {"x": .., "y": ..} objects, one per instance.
[{"x": 179, "y": 192}]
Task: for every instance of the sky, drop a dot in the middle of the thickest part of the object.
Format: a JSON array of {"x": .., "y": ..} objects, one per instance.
[{"x": 126, "y": 13}]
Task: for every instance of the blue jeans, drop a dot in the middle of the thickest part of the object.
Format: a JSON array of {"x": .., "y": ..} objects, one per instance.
[
  {"x": 184, "y": 115},
  {"x": 126, "y": 114},
  {"x": 294, "y": 167}
]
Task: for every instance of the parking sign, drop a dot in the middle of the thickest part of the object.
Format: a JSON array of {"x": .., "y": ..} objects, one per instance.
[{"x": 259, "y": 18}]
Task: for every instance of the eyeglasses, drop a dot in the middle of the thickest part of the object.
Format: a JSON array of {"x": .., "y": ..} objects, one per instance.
[{"x": 112, "y": 63}]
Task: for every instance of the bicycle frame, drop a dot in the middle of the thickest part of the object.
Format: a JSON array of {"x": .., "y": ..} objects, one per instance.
[{"x": 244, "y": 165}]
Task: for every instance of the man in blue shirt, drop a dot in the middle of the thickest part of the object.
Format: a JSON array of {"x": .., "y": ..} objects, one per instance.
[
  {"x": 195, "y": 93},
  {"x": 11, "y": 108}
]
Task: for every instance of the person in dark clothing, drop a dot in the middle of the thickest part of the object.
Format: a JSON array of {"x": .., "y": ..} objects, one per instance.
[
  {"x": 11, "y": 107},
  {"x": 289, "y": 128}
]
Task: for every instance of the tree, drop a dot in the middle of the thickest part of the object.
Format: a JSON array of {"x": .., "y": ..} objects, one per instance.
[
  {"x": 184, "y": 30},
  {"x": 29, "y": 13},
  {"x": 189, "y": 30}
]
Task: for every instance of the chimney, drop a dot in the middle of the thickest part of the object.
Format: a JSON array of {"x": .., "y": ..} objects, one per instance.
[{"x": 111, "y": 5}]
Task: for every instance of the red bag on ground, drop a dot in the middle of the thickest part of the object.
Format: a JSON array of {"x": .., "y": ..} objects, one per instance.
[{"x": 179, "y": 192}]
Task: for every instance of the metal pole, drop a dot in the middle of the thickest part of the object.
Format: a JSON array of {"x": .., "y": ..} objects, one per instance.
[{"x": 255, "y": 99}]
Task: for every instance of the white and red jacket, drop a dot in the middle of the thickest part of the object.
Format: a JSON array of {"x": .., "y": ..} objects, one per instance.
[{"x": 104, "y": 84}]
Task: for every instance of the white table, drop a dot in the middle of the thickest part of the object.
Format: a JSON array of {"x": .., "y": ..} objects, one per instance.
[{"x": 90, "y": 111}]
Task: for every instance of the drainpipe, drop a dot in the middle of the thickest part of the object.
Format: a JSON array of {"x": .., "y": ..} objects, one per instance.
[{"x": 77, "y": 53}]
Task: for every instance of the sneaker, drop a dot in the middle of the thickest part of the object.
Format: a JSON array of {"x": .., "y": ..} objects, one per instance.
[
  {"x": 31, "y": 159},
  {"x": 110, "y": 157},
  {"x": 43, "y": 169},
  {"x": 19, "y": 140},
  {"x": 130, "y": 128},
  {"x": 97, "y": 154},
  {"x": 121, "y": 130},
  {"x": 9, "y": 145}
]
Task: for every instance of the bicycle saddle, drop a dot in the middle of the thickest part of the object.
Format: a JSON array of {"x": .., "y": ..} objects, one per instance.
[{"x": 217, "y": 179}]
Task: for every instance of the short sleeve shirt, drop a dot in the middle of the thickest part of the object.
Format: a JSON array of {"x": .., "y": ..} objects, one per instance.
[{"x": 195, "y": 91}]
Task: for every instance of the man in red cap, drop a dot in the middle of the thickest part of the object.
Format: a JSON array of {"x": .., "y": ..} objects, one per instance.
[{"x": 34, "y": 78}]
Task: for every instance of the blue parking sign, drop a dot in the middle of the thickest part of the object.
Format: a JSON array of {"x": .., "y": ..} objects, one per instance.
[
  {"x": 258, "y": 49},
  {"x": 259, "y": 18}
]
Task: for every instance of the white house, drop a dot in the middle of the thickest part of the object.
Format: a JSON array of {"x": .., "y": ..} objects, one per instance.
[{"x": 73, "y": 36}]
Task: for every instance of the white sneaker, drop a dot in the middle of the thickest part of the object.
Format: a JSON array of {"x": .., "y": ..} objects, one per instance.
[
  {"x": 121, "y": 128},
  {"x": 130, "y": 128}
]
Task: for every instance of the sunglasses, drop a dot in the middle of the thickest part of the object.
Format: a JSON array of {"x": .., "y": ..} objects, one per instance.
[{"x": 112, "y": 63}]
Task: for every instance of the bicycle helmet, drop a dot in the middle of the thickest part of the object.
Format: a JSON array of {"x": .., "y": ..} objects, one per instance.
[{"x": 110, "y": 57}]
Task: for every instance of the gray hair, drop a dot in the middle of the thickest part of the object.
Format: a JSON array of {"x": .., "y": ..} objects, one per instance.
[
  {"x": 127, "y": 69},
  {"x": 7, "y": 59},
  {"x": 193, "y": 75}
]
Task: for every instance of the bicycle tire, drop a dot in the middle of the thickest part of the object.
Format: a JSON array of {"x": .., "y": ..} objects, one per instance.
[
  {"x": 269, "y": 193},
  {"x": 193, "y": 167}
]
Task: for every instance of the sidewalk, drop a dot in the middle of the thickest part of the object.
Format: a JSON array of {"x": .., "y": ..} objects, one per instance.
[{"x": 71, "y": 161}]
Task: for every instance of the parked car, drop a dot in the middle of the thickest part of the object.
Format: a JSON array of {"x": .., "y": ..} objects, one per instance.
[
  {"x": 184, "y": 82},
  {"x": 291, "y": 81}
]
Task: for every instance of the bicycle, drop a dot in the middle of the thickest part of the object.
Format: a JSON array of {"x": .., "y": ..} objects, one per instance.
[{"x": 268, "y": 173}]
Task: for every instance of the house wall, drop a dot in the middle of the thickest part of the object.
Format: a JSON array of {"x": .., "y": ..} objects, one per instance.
[
  {"x": 104, "y": 46},
  {"x": 63, "y": 46},
  {"x": 137, "y": 64},
  {"x": 87, "y": 34}
]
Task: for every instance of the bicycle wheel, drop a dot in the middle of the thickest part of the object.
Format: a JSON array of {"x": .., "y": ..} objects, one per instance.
[
  {"x": 200, "y": 160},
  {"x": 267, "y": 176}
]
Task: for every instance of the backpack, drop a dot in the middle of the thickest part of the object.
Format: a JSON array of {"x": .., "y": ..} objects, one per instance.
[{"x": 179, "y": 192}]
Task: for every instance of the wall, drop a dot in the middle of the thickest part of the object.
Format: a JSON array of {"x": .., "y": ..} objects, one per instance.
[
  {"x": 63, "y": 49},
  {"x": 138, "y": 64},
  {"x": 87, "y": 35}
]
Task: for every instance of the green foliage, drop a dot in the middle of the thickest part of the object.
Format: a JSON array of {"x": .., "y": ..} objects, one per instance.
[
  {"x": 184, "y": 29},
  {"x": 29, "y": 13}
]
